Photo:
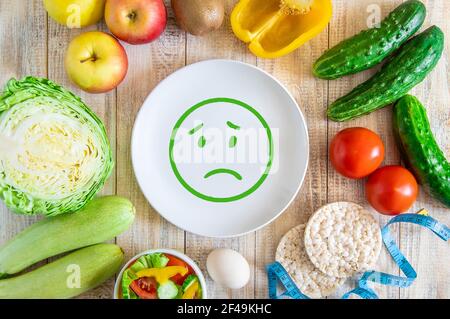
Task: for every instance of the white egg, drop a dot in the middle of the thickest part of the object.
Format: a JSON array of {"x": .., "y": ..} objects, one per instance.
[{"x": 228, "y": 268}]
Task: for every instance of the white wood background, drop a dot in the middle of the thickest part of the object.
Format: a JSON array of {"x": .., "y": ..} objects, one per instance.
[{"x": 31, "y": 43}]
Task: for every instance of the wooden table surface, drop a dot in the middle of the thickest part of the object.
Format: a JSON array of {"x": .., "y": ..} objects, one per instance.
[{"x": 31, "y": 43}]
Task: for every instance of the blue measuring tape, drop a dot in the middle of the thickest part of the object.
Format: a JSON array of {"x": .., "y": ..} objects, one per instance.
[{"x": 276, "y": 271}]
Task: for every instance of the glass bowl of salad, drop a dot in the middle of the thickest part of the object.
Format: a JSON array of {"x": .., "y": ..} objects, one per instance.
[{"x": 160, "y": 274}]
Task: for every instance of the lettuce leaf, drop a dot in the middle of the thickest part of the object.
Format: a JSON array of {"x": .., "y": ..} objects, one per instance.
[{"x": 158, "y": 260}]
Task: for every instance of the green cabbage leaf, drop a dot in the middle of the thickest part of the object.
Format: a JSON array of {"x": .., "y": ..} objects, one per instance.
[{"x": 54, "y": 151}]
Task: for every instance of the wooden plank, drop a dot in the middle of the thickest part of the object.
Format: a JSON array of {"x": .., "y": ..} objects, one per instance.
[
  {"x": 149, "y": 64},
  {"x": 349, "y": 18},
  {"x": 104, "y": 105},
  {"x": 220, "y": 44},
  {"x": 428, "y": 254},
  {"x": 23, "y": 51},
  {"x": 294, "y": 71}
]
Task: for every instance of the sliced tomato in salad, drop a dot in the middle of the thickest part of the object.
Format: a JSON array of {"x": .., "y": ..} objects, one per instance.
[
  {"x": 174, "y": 261},
  {"x": 145, "y": 288}
]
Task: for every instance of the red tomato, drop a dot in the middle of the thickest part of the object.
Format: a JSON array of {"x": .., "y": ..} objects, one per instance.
[
  {"x": 356, "y": 152},
  {"x": 391, "y": 190},
  {"x": 174, "y": 261},
  {"x": 145, "y": 288}
]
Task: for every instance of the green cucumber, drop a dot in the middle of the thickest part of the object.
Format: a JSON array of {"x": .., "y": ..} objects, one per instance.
[
  {"x": 402, "y": 71},
  {"x": 100, "y": 220},
  {"x": 168, "y": 290},
  {"x": 419, "y": 148},
  {"x": 370, "y": 47},
  {"x": 59, "y": 279}
]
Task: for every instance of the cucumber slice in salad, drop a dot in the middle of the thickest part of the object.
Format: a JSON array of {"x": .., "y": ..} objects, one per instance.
[
  {"x": 168, "y": 290},
  {"x": 195, "y": 293},
  {"x": 191, "y": 279}
]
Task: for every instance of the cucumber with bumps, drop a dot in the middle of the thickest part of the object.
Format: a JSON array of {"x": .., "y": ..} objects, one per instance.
[
  {"x": 420, "y": 149},
  {"x": 405, "y": 69},
  {"x": 370, "y": 47},
  {"x": 67, "y": 277}
]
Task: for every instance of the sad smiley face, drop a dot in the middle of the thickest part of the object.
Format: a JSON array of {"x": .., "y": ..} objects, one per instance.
[{"x": 221, "y": 150}]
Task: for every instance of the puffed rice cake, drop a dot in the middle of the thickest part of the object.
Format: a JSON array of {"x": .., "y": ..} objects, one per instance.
[
  {"x": 342, "y": 239},
  {"x": 293, "y": 257}
]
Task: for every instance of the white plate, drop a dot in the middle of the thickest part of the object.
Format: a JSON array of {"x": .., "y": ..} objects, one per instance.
[{"x": 202, "y": 144}]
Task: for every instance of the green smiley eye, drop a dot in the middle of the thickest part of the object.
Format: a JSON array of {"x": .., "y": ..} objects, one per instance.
[
  {"x": 233, "y": 141},
  {"x": 201, "y": 141}
]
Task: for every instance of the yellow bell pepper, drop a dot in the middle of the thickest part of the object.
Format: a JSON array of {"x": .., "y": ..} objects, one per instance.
[
  {"x": 277, "y": 27},
  {"x": 191, "y": 291},
  {"x": 162, "y": 275}
]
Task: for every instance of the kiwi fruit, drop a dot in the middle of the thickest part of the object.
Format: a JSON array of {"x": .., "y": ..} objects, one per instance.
[{"x": 199, "y": 17}]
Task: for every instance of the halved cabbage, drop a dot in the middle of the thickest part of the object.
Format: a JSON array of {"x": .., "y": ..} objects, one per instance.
[{"x": 54, "y": 151}]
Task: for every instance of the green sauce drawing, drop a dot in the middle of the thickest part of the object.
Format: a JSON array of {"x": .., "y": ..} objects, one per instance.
[{"x": 202, "y": 142}]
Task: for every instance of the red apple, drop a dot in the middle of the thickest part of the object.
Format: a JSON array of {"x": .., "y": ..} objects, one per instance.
[
  {"x": 96, "y": 62},
  {"x": 136, "y": 21}
]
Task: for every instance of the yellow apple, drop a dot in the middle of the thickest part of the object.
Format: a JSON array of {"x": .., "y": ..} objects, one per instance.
[
  {"x": 75, "y": 13},
  {"x": 96, "y": 62}
]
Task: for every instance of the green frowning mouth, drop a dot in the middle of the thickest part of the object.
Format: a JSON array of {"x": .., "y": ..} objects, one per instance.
[{"x": 223, "y": 171}]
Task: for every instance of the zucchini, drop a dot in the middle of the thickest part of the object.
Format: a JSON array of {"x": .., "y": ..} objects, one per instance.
[
  {"x": 419, "y": 148},
  {"x": 370, "y": 47},
  {"x": 401, "y": 72},
  {"x": 58, "y": 280},
  {"x": 100, "y": 220}
]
